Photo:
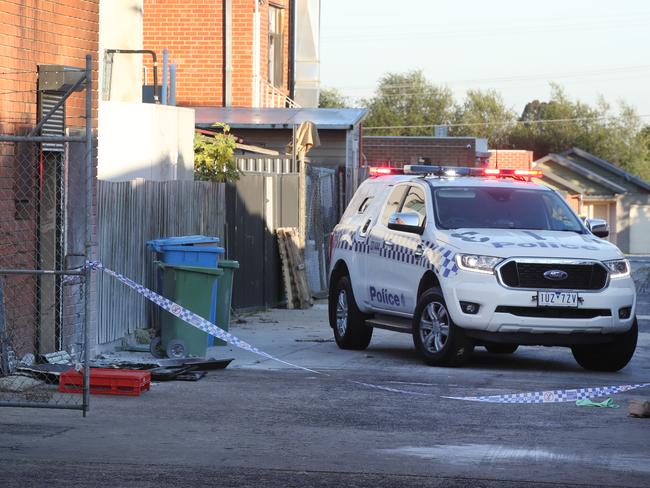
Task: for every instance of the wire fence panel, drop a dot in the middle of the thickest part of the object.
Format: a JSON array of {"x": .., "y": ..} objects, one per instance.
[
  {"x": 45, "y": 224},
  {"x": 322, "y": 215},
  {"x": 41, "y": 307}
]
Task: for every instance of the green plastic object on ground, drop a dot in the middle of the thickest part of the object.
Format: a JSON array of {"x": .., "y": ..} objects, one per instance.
[
  {"x": 224, "y": 295},
  {"x": 194, "y": 288},
  {"x": 609, "y": 403}
]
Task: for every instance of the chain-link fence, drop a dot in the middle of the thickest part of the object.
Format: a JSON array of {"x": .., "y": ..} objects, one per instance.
[
  {"x": 45, "y": 223},
  {"x": 323, "y": 214}
]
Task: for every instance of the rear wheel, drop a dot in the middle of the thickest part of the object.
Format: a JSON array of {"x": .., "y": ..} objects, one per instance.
[
  {"x": 439, "y": 341},
  {"x": 501, "y": 348},
  {"x": 350, "y": 330},
  {"x": 611, "y": 356}
]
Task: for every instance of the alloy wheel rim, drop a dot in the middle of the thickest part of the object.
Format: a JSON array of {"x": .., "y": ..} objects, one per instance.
[
  {"x": 434, "y": 327},
  {"x": 342, "y": 313}
]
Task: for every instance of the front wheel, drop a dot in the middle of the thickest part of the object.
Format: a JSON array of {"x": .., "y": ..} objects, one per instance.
[
  {"x": 611, "y": 356},
  {"x": 350, "y": 329},
  {"x": 439, "y": 341}
]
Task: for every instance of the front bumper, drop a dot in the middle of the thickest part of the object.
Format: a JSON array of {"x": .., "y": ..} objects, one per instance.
[{"x": 485, "y": 290}]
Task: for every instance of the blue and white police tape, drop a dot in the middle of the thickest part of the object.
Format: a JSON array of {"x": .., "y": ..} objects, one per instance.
[
  {"x": 553, "y": 396},
  {"x": 187, "y": 315},
  {"x": 194, "y": 320}
]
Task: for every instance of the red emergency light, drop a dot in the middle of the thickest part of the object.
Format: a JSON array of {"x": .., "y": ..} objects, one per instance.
[
  {"x": 523, "y": 174},
  {"x": 384, "y": 171},
  {"x": 530, "y": 173}
]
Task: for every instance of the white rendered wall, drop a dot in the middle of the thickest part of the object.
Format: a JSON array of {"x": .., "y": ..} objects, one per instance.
[
  {"x": 143, "y": 140},
  {"x": 120, "y": 27}
]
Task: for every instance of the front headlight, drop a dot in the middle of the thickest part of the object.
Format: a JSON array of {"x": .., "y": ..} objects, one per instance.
[
  {"x": 477, "y": 263},
  {"x": 618, "y": 268}
]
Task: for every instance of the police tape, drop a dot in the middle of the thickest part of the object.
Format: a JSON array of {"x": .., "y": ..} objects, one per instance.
[
  {"x": 553, "y": 396},
  {"x": 200, "y": 323}
]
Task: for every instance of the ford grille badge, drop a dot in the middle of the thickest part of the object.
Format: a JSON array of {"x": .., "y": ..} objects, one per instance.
[{"x": 556, "y": 275}]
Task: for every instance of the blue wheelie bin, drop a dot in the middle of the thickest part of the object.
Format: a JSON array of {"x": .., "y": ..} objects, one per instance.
[{"x": 187, "y": 252}]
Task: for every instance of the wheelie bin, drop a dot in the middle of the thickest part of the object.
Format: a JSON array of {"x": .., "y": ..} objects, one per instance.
[
  {"x": 224, "y": 295},
  {"x": 194, "y": 288}
]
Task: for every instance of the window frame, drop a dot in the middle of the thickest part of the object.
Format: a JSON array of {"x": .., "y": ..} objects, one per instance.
[{"x": 275, "y": 48}]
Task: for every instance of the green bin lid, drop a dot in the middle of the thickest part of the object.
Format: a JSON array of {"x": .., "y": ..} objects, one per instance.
[
  {"x": 192, "y": 269},
  {"x": 227, "y": 263}
]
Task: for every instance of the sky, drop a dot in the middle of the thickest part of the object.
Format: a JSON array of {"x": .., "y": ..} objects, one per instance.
[{"x": 590, "y": 47}]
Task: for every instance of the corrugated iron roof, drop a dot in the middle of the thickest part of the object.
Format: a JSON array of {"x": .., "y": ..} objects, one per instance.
[{"x": 279, "y": 118}]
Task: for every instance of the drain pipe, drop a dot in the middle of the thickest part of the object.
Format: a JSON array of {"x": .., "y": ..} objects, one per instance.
[
  {"x": 155, "y": 65},
  {"x": 227, "y": 53},
  {"x": 256, "y": 55},
  {"x": 164, "y": 80}
]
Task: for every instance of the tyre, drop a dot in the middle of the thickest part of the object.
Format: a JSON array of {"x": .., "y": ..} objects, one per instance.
[
  {"x": 611, "y": 356},
  {"x": 501, "y": 348},
  {"x": 176, "y": 349},
  {"x": 156, "y": 349},
  {"x": 439, "y": 341},
  {"x": 350, "y": 330}
]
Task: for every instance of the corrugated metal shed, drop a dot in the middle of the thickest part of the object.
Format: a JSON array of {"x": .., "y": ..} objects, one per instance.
[{"x": 280, "y": 118}]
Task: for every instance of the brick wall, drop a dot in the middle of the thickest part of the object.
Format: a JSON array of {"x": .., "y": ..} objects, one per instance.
[
  {"x": 399, "y": 150},
  {"x": 34, "y": 32},
  {"x": 510, "y": 159},
  {"x": 193, "y": 33}
]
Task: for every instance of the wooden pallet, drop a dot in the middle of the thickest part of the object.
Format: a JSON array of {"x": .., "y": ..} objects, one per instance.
[{"x": 293, "y": 269}]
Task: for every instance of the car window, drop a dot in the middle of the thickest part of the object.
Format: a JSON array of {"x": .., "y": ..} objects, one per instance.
[
  {"x": 561, "y": 216},
  {"x": 415, "y": 203},
  {"x": 502, "y": 208},
  {"x": 393, "y": 203}
]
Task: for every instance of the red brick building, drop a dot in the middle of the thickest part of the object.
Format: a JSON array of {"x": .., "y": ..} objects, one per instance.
[
  {"x": 37, "y": 32},
  {"x": 400, "y": 150},
  {"x": 510, "y": 159},
  {"x": 236, "y": 53}
]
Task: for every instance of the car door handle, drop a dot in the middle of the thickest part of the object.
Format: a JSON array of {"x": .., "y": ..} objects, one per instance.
[
  {"x": 419, "y": 251},
  {"x": 389, "y": 243}
]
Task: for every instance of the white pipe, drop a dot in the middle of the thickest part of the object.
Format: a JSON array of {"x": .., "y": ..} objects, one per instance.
[{"x": 256, "y": 55}]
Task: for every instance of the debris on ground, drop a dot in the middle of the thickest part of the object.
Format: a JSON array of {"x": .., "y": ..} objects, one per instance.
[
  {"x": 181, "y": 369},
  {"x": 59, "y": 357},
  {"x": 18, "y": 383},
  {"x": 609, "y": 403},
  {"x": 47, "y": 372},
  {"x": 143, "y": 336},
  {"x": 639, "y": 408}
]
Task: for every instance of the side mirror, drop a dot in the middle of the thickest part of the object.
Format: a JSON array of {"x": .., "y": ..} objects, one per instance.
[
  {"x": 598, "y": 227},
  {"x": 406, "y": 222}
]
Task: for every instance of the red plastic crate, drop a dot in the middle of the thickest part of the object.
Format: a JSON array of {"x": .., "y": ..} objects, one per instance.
[{"x": 106, "y": 381}]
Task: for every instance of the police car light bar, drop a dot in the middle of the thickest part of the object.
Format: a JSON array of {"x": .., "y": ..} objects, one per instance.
[
  {"x": 452, "y": 171},
  {"x": 384, "y": 171}
]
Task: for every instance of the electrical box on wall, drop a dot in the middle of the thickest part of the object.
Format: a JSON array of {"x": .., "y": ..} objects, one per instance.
[{"x": 56, "y": 77}]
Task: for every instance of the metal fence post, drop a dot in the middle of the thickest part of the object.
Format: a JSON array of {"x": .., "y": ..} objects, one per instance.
[{"x": 89, "y": 233}]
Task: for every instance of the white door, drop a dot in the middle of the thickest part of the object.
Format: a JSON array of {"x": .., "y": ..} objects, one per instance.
[
  {"x": 393, "y": 261},
  {"x": 640, "y": 229}
]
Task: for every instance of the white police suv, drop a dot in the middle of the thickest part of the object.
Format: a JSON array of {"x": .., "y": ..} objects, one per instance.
[{"x": 460, "y": 257}]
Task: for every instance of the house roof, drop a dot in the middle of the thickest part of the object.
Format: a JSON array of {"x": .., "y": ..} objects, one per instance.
[
  {"x": 577, "y": 153},
  {"x": 581, "y": 172},
  {"x": 279, "y": 118}
]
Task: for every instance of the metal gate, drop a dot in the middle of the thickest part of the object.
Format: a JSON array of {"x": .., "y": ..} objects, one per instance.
[
  {"x": 46, "y": 227},
  {"x": 256, "y": 205}
]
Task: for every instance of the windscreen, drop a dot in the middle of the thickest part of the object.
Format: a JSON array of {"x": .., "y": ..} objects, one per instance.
[{"x": 503, "y": 208}]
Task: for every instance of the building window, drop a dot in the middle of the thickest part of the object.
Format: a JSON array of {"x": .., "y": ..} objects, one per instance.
[{"x": 276, "y": 47}]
